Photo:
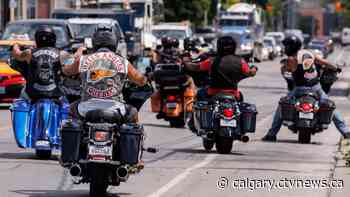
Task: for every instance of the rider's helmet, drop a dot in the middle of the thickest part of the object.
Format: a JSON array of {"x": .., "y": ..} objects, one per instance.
[
  {"x": 105, "y": 37},
  {"x": 175, "y": 43},
  {"x": 226, "y": 45},
  {"x": 292, "y": 44},
  {"x": 167, "y": 42},
  {"x": 45, "y": 37},
  {"x": 189, "y": 44}
]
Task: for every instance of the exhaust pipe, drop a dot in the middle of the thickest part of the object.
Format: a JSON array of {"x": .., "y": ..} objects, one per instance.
[
  {"x": 245, "y": 139},
  {"x": 122, "y": 173},
  {"x": 75, "y": 170}
]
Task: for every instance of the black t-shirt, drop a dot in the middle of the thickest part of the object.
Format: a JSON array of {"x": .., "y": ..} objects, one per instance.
[{"x": 307, "y": 78}]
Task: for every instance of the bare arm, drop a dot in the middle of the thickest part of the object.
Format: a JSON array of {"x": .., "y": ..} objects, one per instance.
[
  {"x": 326, "y": 64},
  {"x": 136, "y": 77},
  {"x": 292, "y": 64},
  {"x": 71, "y": 62},
  {"x": 20, "y": 55}
]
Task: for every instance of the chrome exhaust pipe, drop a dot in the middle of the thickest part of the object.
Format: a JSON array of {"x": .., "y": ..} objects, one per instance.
[
  {"x": 245, "y": 138},
  {"x": 122, "y": 173},
  {"x": 75, "y": 170}
]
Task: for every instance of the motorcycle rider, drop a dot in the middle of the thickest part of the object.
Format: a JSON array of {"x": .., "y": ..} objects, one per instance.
[
  {"x": 104, "y": 72},
  {"x": 40, "y": 66},
  {"x": 226, "y": 71},
  {"x": 304, "y": 78}
]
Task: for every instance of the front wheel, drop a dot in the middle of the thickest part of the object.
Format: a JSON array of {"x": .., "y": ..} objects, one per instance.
[
  {"x": 224, "y": 145},
  {"x": 177, "y": 123},
  {"x": 304, "y": 136},
  {"x": 43, "y": 154},
  {"x": 208, "y": 144}
]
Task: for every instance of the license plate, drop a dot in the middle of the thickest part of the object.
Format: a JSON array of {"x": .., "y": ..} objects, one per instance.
[
  {"x": 171, "y": 105},
  {"x": 100, "y": 150},
  {"x": 309, "y": 116},
  {"x": 2, "y": 90},
  {"x": 42, "y": 143},
  {"x": 228, "y": 123}
]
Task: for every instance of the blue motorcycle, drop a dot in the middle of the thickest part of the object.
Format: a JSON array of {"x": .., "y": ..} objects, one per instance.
[{"x": 37, "y": 125}]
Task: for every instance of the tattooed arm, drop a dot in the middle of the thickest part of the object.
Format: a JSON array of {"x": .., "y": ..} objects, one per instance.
[{"x": 23, "y": 56}]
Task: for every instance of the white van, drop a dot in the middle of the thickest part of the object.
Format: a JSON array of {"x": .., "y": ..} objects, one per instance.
[{"x": 345, "y": 36}]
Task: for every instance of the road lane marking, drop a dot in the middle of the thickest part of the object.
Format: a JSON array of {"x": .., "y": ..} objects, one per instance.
[
  {"x": 208, "y": 159},
  {"x": 182, "y": 176}
]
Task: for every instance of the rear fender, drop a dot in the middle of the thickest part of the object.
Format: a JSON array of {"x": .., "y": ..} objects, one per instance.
[{"x": 229, "y": 132}]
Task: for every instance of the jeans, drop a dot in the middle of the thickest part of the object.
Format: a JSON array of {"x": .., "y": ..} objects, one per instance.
[{"x": 337, "y": 119}]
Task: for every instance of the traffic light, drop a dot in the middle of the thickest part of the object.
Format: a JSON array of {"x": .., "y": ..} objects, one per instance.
[{"x": 339, "y": 7}]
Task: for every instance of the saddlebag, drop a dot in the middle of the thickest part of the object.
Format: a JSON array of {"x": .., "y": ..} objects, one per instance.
[
  {"x": 20, "y": 121},
  {"x": 288, "y": 110},
  {"x": 326, "y": 111},
  {"x": 130, "y": 143},
  {"x": 248, "y": 117},
  {"x": 203, "y": 115},
  {"x": 71, "y": 134}
]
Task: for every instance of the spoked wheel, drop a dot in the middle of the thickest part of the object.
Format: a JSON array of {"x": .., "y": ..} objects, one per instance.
[
  {"x": 177, "y": 122},
  {"x": 98, "y": 184},
  {"x": 208, "y": 144},
  {"x": 304, "y": 136},
  {"x": 223, "y": 145},
  {"x": 43, "y": 154}
]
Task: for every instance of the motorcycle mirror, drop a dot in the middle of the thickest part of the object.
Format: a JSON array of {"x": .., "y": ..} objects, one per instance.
[{"x": 148, "y": 69}]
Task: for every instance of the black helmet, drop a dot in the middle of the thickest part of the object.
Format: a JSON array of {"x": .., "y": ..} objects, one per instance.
[
  {"x": 105, "y": 37},
  {"x": 226, "y": 45},
  {"x": 167, "y": 42},
  {"x": 189, "y": 44},
  {"x": 175, "y": 43},
  {"x": 292, "y": 44},
  {"x": 45, "y": 37}
]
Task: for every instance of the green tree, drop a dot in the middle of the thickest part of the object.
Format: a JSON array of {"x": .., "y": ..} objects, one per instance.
[{"x": 193, "y": 10}]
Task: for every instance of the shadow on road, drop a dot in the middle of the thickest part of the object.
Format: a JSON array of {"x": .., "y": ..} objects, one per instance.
[
  {"x": 296, "y": 142},
  {"x": 202, "y": 151},
  {"x": 60, "y": 193},
  {"x": 156, "y": 125},
  {"x": 25, "y": 156}
]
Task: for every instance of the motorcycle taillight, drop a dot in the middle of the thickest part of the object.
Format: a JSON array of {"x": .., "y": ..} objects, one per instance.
[
  {"x": 171, "y": 98},
  {"x": 101, "y": 136},
  {"x": 306, "y": 107},
  {"x": 228, "y": 112}
]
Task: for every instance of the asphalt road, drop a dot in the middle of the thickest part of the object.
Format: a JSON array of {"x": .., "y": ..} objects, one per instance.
[{"x": 182, "y": 167}]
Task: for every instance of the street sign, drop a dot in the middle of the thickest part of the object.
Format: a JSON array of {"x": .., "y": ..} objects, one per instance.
[{"x": 13, "y": 4}]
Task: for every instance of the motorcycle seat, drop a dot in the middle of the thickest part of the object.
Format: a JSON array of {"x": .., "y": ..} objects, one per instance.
[{"x": 104, "y": 116}]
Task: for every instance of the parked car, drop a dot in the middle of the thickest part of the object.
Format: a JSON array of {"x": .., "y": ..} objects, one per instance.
[
  {"x": 279, "y": 37},
  {"x": 11, "y": 81},
  {"x": 207, "y": 33},
  {"x": 270, "y": 44},
  {"x": 345, "y": 37},
  {"x": 27, "y": 29},
  {"x": 84, "y": 28}
]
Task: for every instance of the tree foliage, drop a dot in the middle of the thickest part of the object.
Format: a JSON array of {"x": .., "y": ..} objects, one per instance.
[{"x": 194, "y": 10}]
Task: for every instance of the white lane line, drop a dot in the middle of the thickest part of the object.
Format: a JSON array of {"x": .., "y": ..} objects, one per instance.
[
  {"x": 182, "y": 176},
  {"x": 161, "y": 191}
]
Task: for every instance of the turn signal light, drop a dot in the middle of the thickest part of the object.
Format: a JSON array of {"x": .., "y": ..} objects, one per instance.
[
  {"x": 228, "y": 112},
  {"x": 101, "y": 136}
]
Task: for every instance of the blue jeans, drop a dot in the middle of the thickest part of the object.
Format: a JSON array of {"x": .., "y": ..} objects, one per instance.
[{"x": 277, "y": 119}]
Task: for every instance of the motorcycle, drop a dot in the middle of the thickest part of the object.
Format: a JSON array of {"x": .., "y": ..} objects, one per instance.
[
  {"x": 306, "y": 114},
  {"x": 36, "y": 125},
  {"x": 105, "y": 149},
  {"x": 222, "y": 119},
  {"x": 176, "y": 95}
]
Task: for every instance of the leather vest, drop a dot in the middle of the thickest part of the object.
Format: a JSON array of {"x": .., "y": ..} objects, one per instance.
[{"x": 103, "y": 75}]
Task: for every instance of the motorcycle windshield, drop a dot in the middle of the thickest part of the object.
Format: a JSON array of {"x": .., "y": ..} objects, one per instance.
[{"x": 100, "y": 104}]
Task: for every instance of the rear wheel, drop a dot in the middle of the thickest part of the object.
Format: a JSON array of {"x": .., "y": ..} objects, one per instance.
[
  {"x": 98, "y": 184},
  {"x": 224, "y": 145},
  {"x": 208, "y": 144},
  {"x": 177, "y": 122},
  {"x": 43, "y": 154},
  {"x": 304, "y": 136}
]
